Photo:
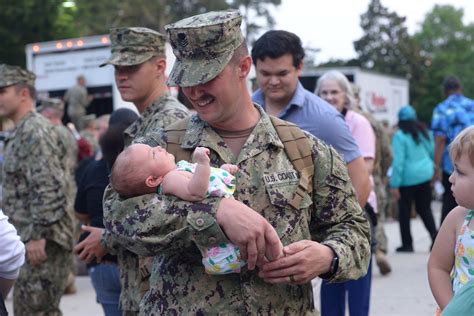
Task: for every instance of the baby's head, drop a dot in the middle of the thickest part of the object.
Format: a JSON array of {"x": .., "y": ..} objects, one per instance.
[
  {"x": 463, "y": 144},
  {"x": 140, "y": 169}
]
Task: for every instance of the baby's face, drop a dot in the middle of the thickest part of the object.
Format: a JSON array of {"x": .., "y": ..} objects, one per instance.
[{"x": 158, "y": 160}]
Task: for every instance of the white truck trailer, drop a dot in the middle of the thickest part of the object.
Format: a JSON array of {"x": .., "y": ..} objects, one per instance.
[
  {"x": 380, "y": 94},
  {"x": 58, "y": 63}
]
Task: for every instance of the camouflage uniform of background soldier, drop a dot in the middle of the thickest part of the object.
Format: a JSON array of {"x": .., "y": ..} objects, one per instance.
[
  {"x": 382, "y": 162},
  {"x": 53, "y": 110},
  {"x": 35, "y": 199},
  {"x": 169, "y": 228},
  {"x": 134, "y": 46}
]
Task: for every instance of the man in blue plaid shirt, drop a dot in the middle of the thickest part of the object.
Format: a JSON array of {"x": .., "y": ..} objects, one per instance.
[{"x": 450, "y": 117}]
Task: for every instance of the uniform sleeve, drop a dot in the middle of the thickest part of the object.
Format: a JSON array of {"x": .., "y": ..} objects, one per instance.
[
  {"x": 398, "y": 160},
  {"x": 46, "y": 184},
  {"x": 152, "y": 223},
  {"x": 12, "y": 254},
  {"x": 338, "y": 220}
]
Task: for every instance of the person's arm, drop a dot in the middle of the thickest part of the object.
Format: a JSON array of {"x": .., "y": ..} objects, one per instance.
[
  {"x": 398, "y": 163},
  {"x": 12, "y": 255},
  {"x": 441, "y": 259},
  {"x": 440, "y": 143},
  {"x": 359, "y": 176},
  {"x": 338, "y": 228},
  {"x": 47, "y": 198},
  {"x": 187, "y": 186}
]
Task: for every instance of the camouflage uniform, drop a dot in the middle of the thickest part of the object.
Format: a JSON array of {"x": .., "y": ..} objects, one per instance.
[
  {"x": 131, "y": 46},
  {"x": 383, "y": 160},
  {"x": 170, "y": 229},
  {"x": 35, "y": 200},
  {"x": 77, "y": 100}
]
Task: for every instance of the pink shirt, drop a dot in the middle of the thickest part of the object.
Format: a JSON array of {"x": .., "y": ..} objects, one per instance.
[{"x": 364, "y": 136}]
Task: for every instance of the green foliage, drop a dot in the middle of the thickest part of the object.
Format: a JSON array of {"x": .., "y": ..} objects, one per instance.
[
  {"x": 256, "y": 14},
  {"x": 386, "y": 47},
  {"x": 26, "y": 21},
  {"x": 448, "y": 45},
  {"x": 97, "y": 17}
]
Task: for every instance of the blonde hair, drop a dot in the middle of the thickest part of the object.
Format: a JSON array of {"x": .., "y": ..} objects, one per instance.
[
  {"x": 463, "y": 144},
  {"x": 129, "y": 173}
]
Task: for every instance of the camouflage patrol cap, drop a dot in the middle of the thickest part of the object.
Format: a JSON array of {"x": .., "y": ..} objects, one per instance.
[
  {"x": 134, "y": 45},
  {"x": 52, "y": 103},
  {"x": 203, "y": 45},
  {"x": 10, "y": 75}
]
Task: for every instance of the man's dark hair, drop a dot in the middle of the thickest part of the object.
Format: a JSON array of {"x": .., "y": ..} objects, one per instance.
[
  {"x": 275, "y": 44},
  {"x": 451, "y": 84}
]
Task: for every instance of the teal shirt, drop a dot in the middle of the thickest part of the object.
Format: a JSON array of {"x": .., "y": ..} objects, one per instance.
[{"x": 412, "y": 162}]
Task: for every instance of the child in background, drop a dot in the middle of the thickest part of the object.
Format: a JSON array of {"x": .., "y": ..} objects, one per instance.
[
  {"x": 451, "y": 263},
  {"x": 141, "y": 169}
]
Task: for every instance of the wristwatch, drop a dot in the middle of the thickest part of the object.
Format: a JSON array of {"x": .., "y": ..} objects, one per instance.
[{"x": 333, "y": 268}]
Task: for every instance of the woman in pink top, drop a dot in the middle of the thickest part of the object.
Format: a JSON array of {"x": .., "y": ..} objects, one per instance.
[{"x": 334, "y": 88}]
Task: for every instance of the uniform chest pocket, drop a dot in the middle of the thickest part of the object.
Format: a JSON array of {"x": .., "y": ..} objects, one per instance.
[{"x": 281, "y": 187}]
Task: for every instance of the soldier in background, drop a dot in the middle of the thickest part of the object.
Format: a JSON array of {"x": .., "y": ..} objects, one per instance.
[
  {"x": 382, "y": 162},
  {"x": 53, "y": 110},
  {"x": 139, "y": 59},
  {"x": 327, "y": 235},
  {"x": 77, "y": 102},
  {"x": 35, "y": 197},
  {"x": 89, "y": 132}
]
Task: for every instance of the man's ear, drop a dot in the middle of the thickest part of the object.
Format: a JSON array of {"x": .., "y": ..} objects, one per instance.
[
  {"x": 299, "y": 69},
  {"x": 245, "y": 65},
  {"x": 153, "y": 182},
  {"x": 160, "y": 64}
]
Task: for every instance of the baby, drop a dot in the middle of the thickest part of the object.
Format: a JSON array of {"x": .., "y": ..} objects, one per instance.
[{"x": 141, "y": 169}]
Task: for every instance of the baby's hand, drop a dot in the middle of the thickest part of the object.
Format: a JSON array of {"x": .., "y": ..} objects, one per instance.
[
  {"x": 232, "y": 169},
  {"x": 201, "y": 155}
]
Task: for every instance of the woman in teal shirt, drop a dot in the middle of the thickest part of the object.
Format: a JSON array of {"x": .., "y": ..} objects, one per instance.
[{"x": 412, "y": 170}]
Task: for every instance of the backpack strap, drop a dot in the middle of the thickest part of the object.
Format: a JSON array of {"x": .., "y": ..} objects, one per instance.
[
  {"x": 298, "y": 150},
  {"x": 175, "y": 134}
]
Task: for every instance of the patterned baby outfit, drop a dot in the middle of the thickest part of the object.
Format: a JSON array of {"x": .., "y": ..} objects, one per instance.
[
  {"x": 463, "y": 271},
  {"x": 224, "y": 258}
]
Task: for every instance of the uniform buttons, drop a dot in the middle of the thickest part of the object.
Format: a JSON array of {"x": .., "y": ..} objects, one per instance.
[
  {"x": 212, "y": 240},
  {"x": 199, "y": 222}
]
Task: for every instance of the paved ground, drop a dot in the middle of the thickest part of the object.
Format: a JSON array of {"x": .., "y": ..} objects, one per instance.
[{"x": 405, "y": 292}]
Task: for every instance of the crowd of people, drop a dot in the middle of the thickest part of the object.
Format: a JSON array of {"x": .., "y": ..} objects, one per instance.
[{"x": 297, "y": 204}]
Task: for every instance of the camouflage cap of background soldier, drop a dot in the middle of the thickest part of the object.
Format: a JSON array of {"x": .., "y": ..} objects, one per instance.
[
  {"x": 134, "y": 45},
  {"x": 52, "y": 103},
  {"x": 10, "y": 75},
  {"x": 203, "y": 45}
]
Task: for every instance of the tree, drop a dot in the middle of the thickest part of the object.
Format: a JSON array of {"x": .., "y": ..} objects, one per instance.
[
  {"x": 448, "y": 45},
  {"x": 256, "y": 16},
  {"x": 26, "y": 21},
  {"x": 97, "y": 17},
  {"x": 387, "y": 47}
]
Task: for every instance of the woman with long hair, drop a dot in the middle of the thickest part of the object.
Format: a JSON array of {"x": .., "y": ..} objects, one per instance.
[{"x": 412, "y": 170}]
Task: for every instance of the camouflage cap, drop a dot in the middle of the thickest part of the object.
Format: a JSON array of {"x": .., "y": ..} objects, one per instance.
[
  {"x": 88, "y": 119},
  {"x": 203, "y": 45},
  {"x": 134, "y": 45},
  {"x": 52, "y": 103},
  {"x": 10, "y": 75}
]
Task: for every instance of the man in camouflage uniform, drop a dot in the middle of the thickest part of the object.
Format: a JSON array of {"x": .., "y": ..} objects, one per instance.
[
  {"x": 53, "y": 110},
  {"x": 78, "y": 101},
  {"x": 327, "y": 236},
  {"x": 138, "y": 55},
  {"x": 35, "y": 197}
]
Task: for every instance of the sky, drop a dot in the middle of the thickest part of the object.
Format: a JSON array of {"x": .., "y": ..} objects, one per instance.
[{"x": 333, "y": 25}]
